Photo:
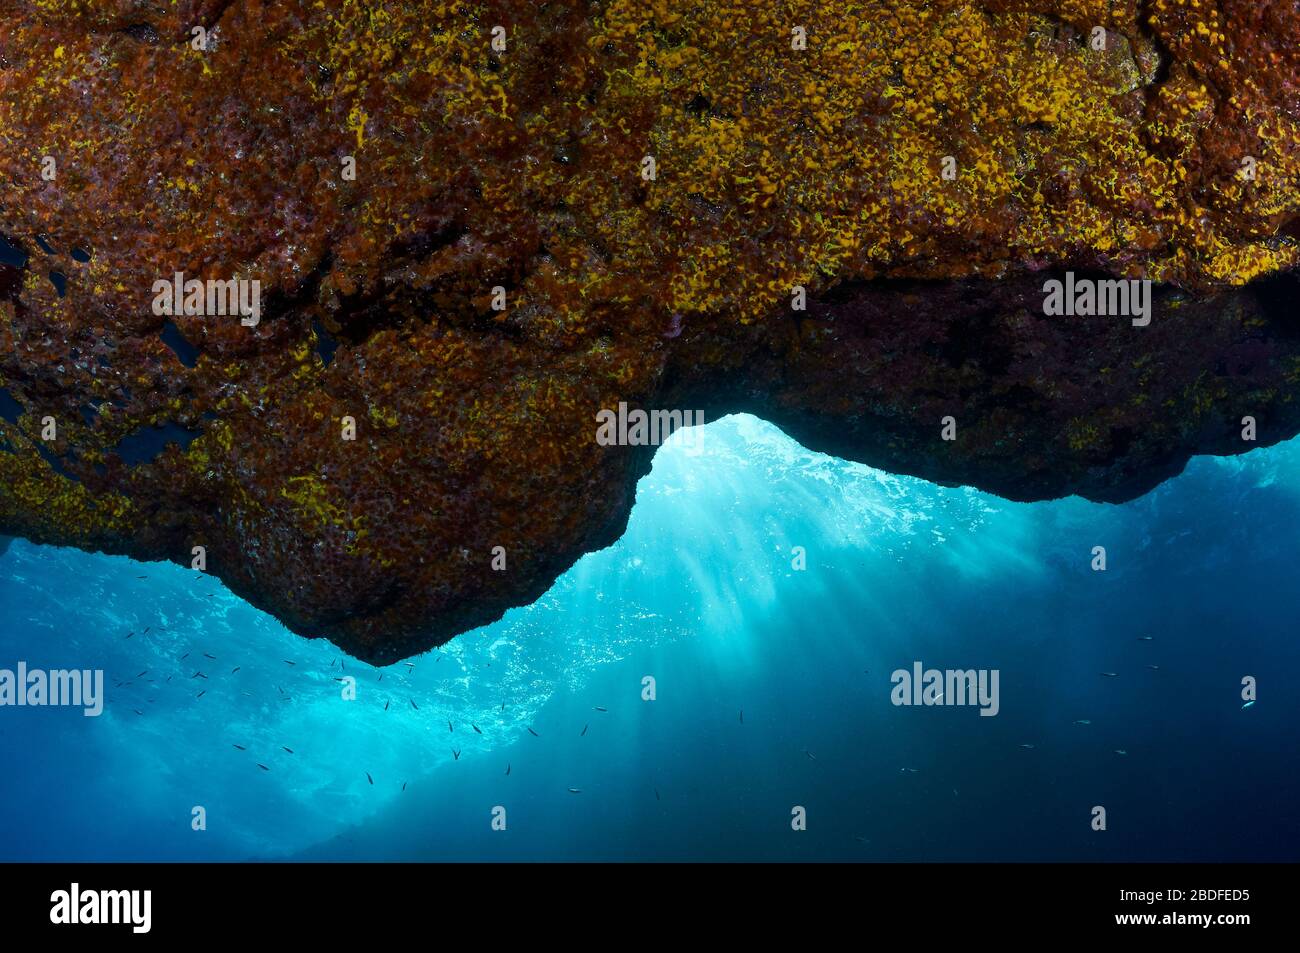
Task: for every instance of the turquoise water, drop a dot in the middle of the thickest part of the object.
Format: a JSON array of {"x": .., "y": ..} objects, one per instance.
[{"x": 701, "y": 594}]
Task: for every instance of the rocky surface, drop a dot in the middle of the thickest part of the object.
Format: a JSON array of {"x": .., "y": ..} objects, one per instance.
[{"x": 1169, "y": 153}]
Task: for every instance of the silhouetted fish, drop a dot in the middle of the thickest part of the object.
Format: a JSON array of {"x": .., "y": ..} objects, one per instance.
[
  {"x": 657, "y": 794},
  {"x": 507, "y": 770},
  {"x": 262, "y": 766},
  {"x": 1026, "y": 746},
  {"x": 137, "y": 711},
  {"x": 1110, "y": 674},
  {"x": 290, "y": 750},
  {"x": 403, "y": 785},
  {"x": 235, "y": 669},
  {"x": 201, "y": 694},
  {"x": 369, "y": 778},
  {"x": 533, "y": 733},
  {"x": 413, "y": 704},
  {"x": 742, "y": 716},
  {"x": 574, "y": 791},
  {"x": 598, "y": 708},
  {"x": 142, "y": 577},
  {"x": 287, "y": 662},
  {"x": 143, "y": 674},
  {"x": 475, "y": 727},
  {"x": 584, "y": 730},
  {"x": 455, "y": 754},
  {"x": 128, "y": 635},
  {"x": 450, "y": 728},
  {"x": 385, "y": 706},
  {"x": 241, "y": 747},
  {"x": 185, "y": 656},
  {"x": 811, "y": 756},
  {"x": 1145, "y": 638},
  {"x": 206, "y": 655}
]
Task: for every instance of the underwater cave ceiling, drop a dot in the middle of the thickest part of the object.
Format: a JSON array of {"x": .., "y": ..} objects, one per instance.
[{"x": 390, "y": 176}]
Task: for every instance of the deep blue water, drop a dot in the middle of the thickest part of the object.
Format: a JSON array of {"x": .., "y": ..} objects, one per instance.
[{"x": 701, "y": 594}]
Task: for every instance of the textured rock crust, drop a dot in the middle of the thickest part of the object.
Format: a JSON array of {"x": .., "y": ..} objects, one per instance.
[{"x": 775, "y": 167}]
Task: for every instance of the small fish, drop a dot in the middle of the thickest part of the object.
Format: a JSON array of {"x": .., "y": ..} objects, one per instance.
[
  {"x": 861, "y": 840},
  {"x": 129, "y": 634},
  {"x": 287, "y": 662},
  {"x": 1154, "y": 668},
  {"x": 503, "y": 706},
  {"x": 475, "y": 727},
  {"x": 450, "y": 728},
  {"x": 185, "y": 656},
  {"x": 146, "y": 630},
  {"x": 201, "y": 694},
  {"x": 369, "y": 778},
  {"x": 455, "y": 754},
  {"x": 137, "y": 711},
  {"x": 235, "y": 669},
  {"x": 1248, "y": 704},
  {"x": 381, "y": 676},
  {"x": 334, "y": 662},
  {"x": 742, "y": 716},
  {"x": 279, "y": 689},
  {"x": 385, "y": 706},
  {"x": 262, "y": 766},
  {"x": 574, "y": 791},
  {"x": 142, "y": 577},
  {"x": 1082, "y": 721},
  {"x": 1146, "y": 638},
  {"x": 1110, "y": 674},
  {"x": 533, "y": 733},
  {"x": 1120, "y": 751},
  {"x": 584, "y": 731},
  {"x": 206, "y": 655},
  {"x": 908, "y": 770},
  {"x": 410, "y": 665},
  {"x": 143, "y": 674},
  {"x": 413, "y": 704},
  {"x": 241, "y": 747},
  {"x": 1026, "y": 746},
  {"x": 598, "y": 708},
  {"x": 507, "y": 770},
  {"x": 811, "y": 756},
  {"x": 403, "y": 785},
  {"x": 290, "y": 750},
  {"x": 657, "y": 798},
  {"x": 169, "y": 678}
]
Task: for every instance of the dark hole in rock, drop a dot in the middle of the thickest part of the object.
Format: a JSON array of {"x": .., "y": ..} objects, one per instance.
[
  {"x": 11, "y": 254},
  {"x": 325, "y": 343},
  {"x": 81, "y": 255},
  {"x": 60, "y": 282},
  {"x": 10, "y": 409},
  {"x": 45, "y": 246},
  {"x": 144, "y": 446},
  {"x": 54, "y": 461},
  {"x": 143, "y": 32},
  {"x": 185, "y": 352}
]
